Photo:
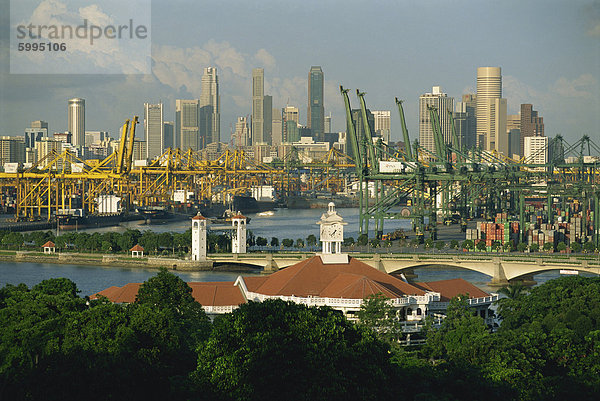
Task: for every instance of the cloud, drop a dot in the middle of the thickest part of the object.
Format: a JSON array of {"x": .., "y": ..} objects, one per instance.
[
  {"x": 265, "y": 59},
  {"x": 580, "y": 87}
]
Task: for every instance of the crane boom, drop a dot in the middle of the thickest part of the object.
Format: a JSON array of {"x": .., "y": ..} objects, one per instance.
[
  {"x": 121, "y": 152},
  {"x": 404, "y": 130},
  {"x": 130, "y": 143}
]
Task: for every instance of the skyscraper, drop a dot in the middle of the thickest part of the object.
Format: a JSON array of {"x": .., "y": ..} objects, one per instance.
[
  {"x": 242, "y": 134},
  {"x": 276, "y": 127},
  {"x": 210, "y": 108},
  {"x": 267, "y": 119},
  {"x": 316, "y": 110},
  {"x": 290, "y": 120},
  {"x": 76, "y": 121},
  {"x": 443, "y": 103},
  {"x": 383, "y": 121},
  {"x": 258, "y": 93},
  {"x": 531, "y": 123},
  {"x": 154, "y": 132},
  {"x": 491, "y": 112},
  {"x": 470, "y": 107},
  {"x": 33, "y": 134},
  {"x": 327, "y": 123},
  {"x": 187, "y": 124},
  {"x": 168, "y": 136}
]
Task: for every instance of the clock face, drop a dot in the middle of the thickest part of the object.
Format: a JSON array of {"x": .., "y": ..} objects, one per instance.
[{"x": 332, "y": 232}]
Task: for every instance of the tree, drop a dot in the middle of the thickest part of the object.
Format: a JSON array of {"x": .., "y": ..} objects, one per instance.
[
  {"x": 468, "y": 244},
  {"x": 274, "y": 241},
  {"x": 287, "y": 242},
  {"x": 521, "y": 247},
  {"x": 363, "y": 240},
  {"x": 454, "y": 244},
  {"x": 377, "y": 314},
  {"x": 548, "y": 246},
  {"x": 439, "y": 245},
  {"x": 561, "y": 246},
  {"x": 299, "y": 243},
  {"x": 481, "y": 246},
  {"x": 575, "y": 246},
  {"x": 589, "y": 247},
  {"x": 534, "y": 247},
  {"x": 428, "y": 243},
  {"x": 349, "y": 241},
  {"x": 311, "y": 240},
  {"x": 375, "y": 243},
  {"x": 513, "y": 291},
  {"x": 316, "y": 352},
  {"x": 260, "y": 241}
]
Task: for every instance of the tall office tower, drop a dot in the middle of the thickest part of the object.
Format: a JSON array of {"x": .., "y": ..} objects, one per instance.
[
  {"x": 531, "y": 123},
  {"x": 276, "y": 127},
  {"x": 187, "y": 124},
  {"x": 316, "y": 111},
  {"x": 327, "y": 124},
  {"x": 258, "y": 93},
  {"x": 242, "y": 132},
  {"x": 497, "y": 137},
  {"x": 267, "y": 119},
  {"x": 154, "y": 129},
  {"x": 36, "y": 131},
  {"x": 359, "y": 128},
  {"x": 556, "y": 151},
  {"x": 383, "y": 121},
  {"x": 461, "y": 123},
  {"x": 168, "y": 137},
  {"x": 210, "y": 108},
  {"x": 443, "y": 103},
  {"x": 470, "y": 101},
  {"x": 95, "y": 137},
  {"x": 289, "y": 114},
  {"x": 514, "y": 143},
  {"x": 489, "y": 87},
  {"x": 12, "y": 150},
  {"x": 76, "y": 121},
  {"x": 536, "y": 149}
]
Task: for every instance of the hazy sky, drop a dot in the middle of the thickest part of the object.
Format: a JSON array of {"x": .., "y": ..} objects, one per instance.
[{"x": 549, "y": 51}]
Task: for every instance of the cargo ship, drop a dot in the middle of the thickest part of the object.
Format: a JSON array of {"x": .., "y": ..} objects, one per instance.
[
  {"x": 248, "y": 204},
  {"x": 319, "y": 201},
  {"x": 74, "y": 219}
]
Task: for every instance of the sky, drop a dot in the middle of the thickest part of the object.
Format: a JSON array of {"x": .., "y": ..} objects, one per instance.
[{"x": 549, "y": 52}]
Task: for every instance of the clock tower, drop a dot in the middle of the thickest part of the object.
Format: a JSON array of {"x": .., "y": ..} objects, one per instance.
[{"x": 332, "y": 231}]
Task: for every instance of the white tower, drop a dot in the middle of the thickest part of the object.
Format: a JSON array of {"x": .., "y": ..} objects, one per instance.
[
  {"x": 332, "y": 231},
  {"x": 199, "y": 237},
  {"x": 238, "y": 237}
]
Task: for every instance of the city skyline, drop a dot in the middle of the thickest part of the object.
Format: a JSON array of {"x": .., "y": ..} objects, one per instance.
[{"x": 561, "y": 81}]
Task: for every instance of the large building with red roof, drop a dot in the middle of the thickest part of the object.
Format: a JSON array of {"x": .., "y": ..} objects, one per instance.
[{"x": 331, "y": 279}]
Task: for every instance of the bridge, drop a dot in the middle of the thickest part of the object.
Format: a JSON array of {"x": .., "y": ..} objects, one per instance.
[{"x": 502, "y": 269}]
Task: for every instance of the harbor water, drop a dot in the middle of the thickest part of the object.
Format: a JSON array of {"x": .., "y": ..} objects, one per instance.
[{"x": 282, "y": 223}]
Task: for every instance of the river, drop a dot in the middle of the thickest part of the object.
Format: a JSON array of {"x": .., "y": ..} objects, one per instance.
[{"x": 283, "y": 223}]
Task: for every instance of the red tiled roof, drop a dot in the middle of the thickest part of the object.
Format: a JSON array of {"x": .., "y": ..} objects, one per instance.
[
  {"x": 199, "y": 217},
  {"x": 222, "y": 293},
  {"x": 313, "y": 278},
  {"x": 238, "y": 216},
  {"x": 120, "y": 295},
  {"x": 448, "y": 289},
  {"x": 138, "y": 248},
  {"x": 49, "y": 244}
]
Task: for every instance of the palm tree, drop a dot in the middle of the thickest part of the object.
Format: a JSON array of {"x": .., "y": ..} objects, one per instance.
[{"x": 513, "y": 291}]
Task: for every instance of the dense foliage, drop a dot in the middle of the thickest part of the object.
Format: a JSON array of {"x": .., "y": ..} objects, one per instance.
[{"x": 57, "y": 345}]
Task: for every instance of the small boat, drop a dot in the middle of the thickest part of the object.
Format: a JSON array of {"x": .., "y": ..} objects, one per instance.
[{"x": 267, "y": 213}]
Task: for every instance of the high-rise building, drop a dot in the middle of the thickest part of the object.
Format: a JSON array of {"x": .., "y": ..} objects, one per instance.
[
  {"x": 443, "y": 104},
  {"x": 168, "y": 136},
  {"x": 316, "y": 110},
  {"x": 210, "y": 108},
  {"x": 497, "y": 136},
  {"x": 276, "y": 127},
  {"x": 290, "y": 114},
  {"x": 383, "y": 122},
  {"x": 531, "y": 123},
  {"x": 187, "y": 124},
  {"x": 95, "y": 137},
  {"x": 536, "y": 149},
  {"x": 12, "y": 150},
  {"x": 48, "y": 147},
  {"x": 37, "y": 130},
  {"x": 154, "y": 132},
  {"x": 514, "y": 143},
  {"x": 76, "y": 121},
  {"x": 242, "y": 132},
  {"x": 359, "y": 127},
  {"x": 470, "y": 107},
  {"x": 267, "y": 119},
  {"x": 461, "y": 123},
  {"x": 328, "y": 124},
  {"x": 258, "y": 93},
  {"x": 489, "y": 87}
]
